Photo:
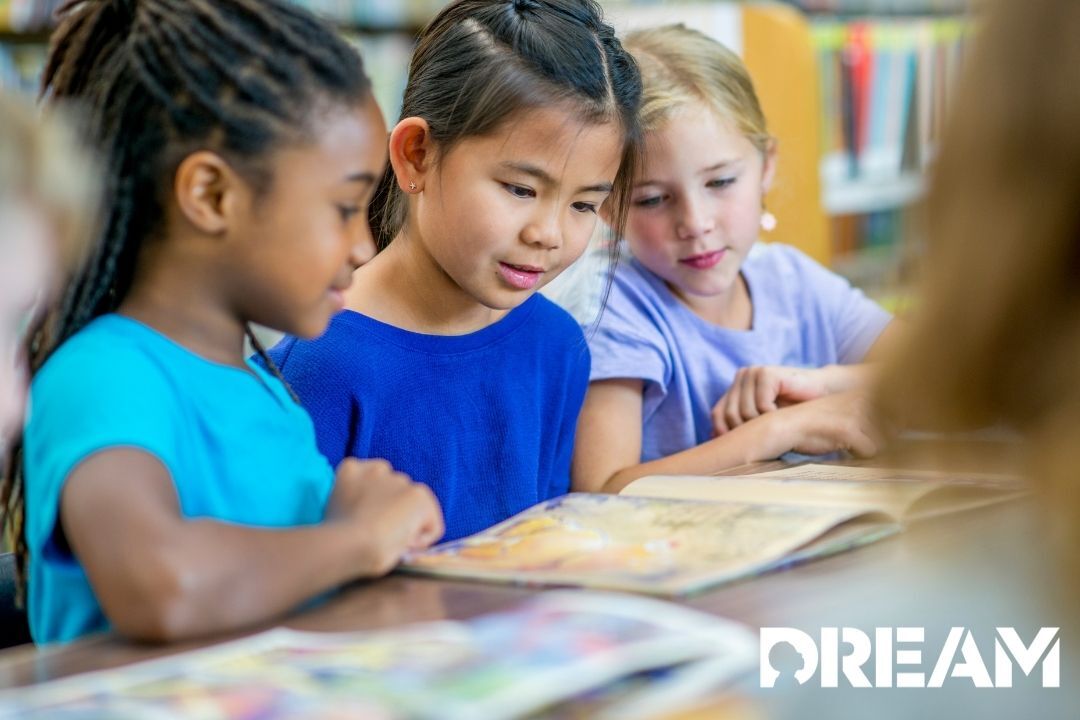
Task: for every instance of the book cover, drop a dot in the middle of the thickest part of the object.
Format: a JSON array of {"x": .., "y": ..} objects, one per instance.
[{"x": 548, "y": 650}]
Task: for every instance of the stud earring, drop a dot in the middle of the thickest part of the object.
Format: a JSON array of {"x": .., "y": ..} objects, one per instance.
[
  {"x": 412, "y": 187},
  {"x": 768, "y": 220}
]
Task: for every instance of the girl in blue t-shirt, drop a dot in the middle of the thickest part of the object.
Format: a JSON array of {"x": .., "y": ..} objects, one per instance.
[
  {"x": 519, "y": 122},
  {"x": 171, "y": 488},
  {"x": 705, "y": 336}
]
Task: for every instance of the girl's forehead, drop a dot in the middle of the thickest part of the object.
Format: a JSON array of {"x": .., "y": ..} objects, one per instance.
[
  {"x": 553, "y": 139},
  {"x": 696, "y": 133},
  {"x": 701, "y": 120},
  {"x": 548, "y": 125},
  {"x": 341, "y": 141}
]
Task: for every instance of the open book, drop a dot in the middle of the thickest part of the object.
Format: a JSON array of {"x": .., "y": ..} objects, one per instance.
[
  {"x": 673, "y": 535},
  {"x": 626, "y": 654}
]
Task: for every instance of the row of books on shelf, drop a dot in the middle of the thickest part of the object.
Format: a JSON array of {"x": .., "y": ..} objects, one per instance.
[
  {"x": 386, "y": 61},
  {"x": 884, "y": 85},
  {"x": 375, "y": 14},
  {"x": 882, "y": 7},
  {"x": 31, "y": 16},
  {"x": 25, "y": 16},
  {"x": 20, "y": 66},
  {"x": 386, "y": 57},
  {"x": 861, "y": 231}
]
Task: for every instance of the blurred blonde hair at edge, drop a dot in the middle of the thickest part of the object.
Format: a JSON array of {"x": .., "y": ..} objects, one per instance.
[
  {"x": 48, "y": 195},
  {"x": 997, "y": 336},
  {"x": 42, "y": 165}
]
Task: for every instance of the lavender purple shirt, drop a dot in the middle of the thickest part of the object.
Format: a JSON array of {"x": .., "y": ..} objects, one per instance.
[{"x": 803, "y": 316}]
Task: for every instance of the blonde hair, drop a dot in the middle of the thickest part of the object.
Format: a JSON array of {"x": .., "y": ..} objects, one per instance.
[
  {"x": 43, "y": 164},
  {"x": 998, "y": 337},
  {"x": 681, "y": 67}
]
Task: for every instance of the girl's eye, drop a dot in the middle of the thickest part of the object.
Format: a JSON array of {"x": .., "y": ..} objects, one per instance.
[
  {"x": 584, "y": 207},
  {"x": 348, "y": 212},
  {"x": 720, "y": 183},
  {"x": 519, "y": 191},
  {"x": 648, "y": 202}
]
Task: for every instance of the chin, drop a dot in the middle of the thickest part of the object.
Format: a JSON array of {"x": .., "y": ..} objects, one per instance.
[
  {"x": 311, "y": 327},
  {"x": 508, "y": 299}
]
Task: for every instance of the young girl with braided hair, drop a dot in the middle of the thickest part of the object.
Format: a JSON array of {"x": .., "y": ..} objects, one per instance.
[{"x": 172, "y": 488}]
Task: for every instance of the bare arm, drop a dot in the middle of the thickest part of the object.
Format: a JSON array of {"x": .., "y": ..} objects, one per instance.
[
  {"x": 159, "y": 576},
  {"x": 607, "y": 451},
  {"x": 887, "y": 341},
  {"x": 757, "y": 390}
]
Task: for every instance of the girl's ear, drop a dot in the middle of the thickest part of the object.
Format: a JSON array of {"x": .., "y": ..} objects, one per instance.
[
  {"x": 768, "y": 169},
  {"x": 205, "y": 188},
  {"x": 411, "y": 153}
]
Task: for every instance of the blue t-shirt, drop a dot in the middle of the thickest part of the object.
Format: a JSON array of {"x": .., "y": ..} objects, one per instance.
[
  {"x": 239, "y": 449},
  {"x": 486, "y": 419},
  {"x": 803, "y": 316}
]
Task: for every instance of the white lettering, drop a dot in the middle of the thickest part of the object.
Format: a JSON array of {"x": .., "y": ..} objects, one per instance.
[{"x": 803, "y": 644}]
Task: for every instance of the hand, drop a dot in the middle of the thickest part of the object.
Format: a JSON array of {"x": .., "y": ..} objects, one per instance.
[
  {"x": 758, "y": 390},
  {"x": 840, "y": 421},
  {"x": 391, "y": 512}
]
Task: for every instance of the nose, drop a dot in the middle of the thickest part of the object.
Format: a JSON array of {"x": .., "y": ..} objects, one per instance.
[
  {"x": 694, "y": 220},
  {"x": 543, "y": 232}
]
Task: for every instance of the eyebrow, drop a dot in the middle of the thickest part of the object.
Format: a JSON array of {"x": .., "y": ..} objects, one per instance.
[
  {"x": 546, "y": 178},
  {"x": 704, "y": 171}
]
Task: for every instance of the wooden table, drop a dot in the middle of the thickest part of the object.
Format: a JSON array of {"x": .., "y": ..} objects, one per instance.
[{"x": 979, "y": 570}]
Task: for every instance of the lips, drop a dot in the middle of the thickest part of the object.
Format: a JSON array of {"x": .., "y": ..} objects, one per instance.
[
  {"x": 704, "y": 261},
  {"x": 520, "y": 277}
]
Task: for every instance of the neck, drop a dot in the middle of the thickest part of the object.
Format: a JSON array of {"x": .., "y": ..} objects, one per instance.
[
  {"x": 405, "y": 287},
  {"x": 732, "y": 309},
  {"x": 180, "y": 299}
]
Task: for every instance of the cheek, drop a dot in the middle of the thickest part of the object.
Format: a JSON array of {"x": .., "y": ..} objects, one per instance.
[
  {"x": 578, "y": 233},
  {"x": 744, "y": 209},
  {"x": 648, "y": 231}
]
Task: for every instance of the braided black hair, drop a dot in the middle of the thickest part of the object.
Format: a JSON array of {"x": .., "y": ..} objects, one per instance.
[{"x": 157, "y": 80}]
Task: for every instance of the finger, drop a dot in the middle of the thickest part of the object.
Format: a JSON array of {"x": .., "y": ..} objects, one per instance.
[
  {"x": 719, "y": 424},
  {"x": 765, "y": 393},
  {"x": 799, "y": 388},
  {"x": 729, "y": 404},
  {"x": 862, "y": 444},
  {"x": 731, "y": 415},
  {"x": 429, "y": 532},
  {"x": 747, "y": 402},
  {"x": 376, "y": 466},
  {"x": 432, "y": 525}
]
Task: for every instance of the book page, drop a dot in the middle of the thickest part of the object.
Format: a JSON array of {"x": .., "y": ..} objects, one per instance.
[
  {"x": 900, "y": 494},
  {"x": 658, "y": 546},
  {"x": 848, "y": 473},
  {"x": 892, "y": 500},
  {"x": 501, "y": 665}
]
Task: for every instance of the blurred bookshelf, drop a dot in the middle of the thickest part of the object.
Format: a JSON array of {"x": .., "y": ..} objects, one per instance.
[{"x": 855, "y": 90}]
